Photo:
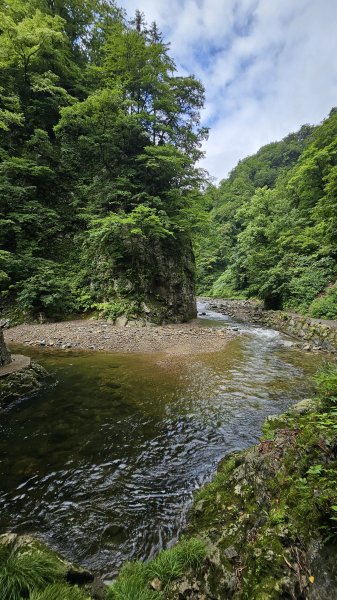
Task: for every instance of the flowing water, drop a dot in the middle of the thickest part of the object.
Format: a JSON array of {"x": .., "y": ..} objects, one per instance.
[{"x": 102, "y": 463}]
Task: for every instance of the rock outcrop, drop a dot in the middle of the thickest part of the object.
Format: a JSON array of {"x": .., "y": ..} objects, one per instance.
[
  {"x": 5, "y": 356},
  {"x": 158, "y": 287}
]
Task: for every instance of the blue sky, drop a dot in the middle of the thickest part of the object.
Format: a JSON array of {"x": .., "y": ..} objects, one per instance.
[{"x": 268, "y": 66}]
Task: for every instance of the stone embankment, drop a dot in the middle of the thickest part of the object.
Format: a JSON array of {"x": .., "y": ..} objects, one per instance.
[{"x": 316, "y": 334}]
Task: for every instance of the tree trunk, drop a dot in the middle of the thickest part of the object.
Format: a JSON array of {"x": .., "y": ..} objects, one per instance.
[{"x": 5, "y": 356}]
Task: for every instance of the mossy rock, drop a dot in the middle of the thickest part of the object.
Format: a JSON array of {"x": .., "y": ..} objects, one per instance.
[{"x": 21, "y": 384}]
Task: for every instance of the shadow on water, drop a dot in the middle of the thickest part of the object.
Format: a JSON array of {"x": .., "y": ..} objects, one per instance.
[{"x": 102, "y": 464}]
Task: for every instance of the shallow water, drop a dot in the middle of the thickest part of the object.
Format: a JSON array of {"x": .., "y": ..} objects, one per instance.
[{"x": 102, "y": 463}]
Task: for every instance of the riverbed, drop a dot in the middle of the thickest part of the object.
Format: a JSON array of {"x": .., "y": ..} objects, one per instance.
[{"x": 103, "y": 462}]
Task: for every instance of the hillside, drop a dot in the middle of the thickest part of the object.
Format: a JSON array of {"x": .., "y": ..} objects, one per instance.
[{"x": 273, "y": 225}]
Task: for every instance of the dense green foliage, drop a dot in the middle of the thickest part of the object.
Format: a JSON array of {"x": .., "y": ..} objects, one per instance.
[
  {"x": 26, "y": 572},
  {"x": 274, "y": 225},
  {"x": 98, "y": 142}
]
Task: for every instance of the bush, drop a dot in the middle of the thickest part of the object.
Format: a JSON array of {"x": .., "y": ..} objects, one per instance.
[
  {"x": 224, "y": 286},
  {"x": 112, "y": 310},
  {"x": 325, "y": 307},
  {"x": 46, "y": 292},
  {"x": 326, "y": 381}
]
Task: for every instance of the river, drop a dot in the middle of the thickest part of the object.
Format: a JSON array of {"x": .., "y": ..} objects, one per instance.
[{"x": 103, "y": 462}]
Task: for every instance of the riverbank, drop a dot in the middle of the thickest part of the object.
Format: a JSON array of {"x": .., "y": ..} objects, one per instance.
[
  {"x": 99, "y": 335},
  {"x": 311, "y": 334},
  {"x": 267, "y": 521}
]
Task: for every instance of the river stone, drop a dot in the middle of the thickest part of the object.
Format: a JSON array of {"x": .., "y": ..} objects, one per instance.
[
  {"x": 287, "y": 344},
  {"x": 156, "y": 585},
  {"x": 121, "y": 321},
  {"x": 145, "y": 308}
]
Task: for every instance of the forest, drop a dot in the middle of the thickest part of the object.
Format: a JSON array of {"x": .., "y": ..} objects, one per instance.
[
  {"x": 101, "y": 194},
  {"x": 272, "y": 226},
  {"x": 99, "y": 140}
]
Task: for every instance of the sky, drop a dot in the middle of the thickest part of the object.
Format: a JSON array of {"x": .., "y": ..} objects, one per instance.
[{"x": 268, "y": 66}]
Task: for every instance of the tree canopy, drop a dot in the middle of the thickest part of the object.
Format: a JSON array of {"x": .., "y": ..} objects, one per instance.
[{"x": 99, "y": 138}]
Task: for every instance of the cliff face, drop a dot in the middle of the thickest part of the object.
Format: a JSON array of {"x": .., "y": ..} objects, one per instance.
[
  {"x": 169, "y": 286},
  {"x": 154, "y": 282}
]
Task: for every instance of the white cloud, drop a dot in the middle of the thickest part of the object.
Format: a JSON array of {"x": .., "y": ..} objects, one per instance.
[{"x": 267, "y": 66}]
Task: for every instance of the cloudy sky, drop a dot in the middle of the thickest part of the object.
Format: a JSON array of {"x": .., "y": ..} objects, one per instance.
[{"x": 268, "y": 66}]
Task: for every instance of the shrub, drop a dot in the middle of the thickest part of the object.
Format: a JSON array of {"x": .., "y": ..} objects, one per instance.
[
  {"x": 47, "y": 291},
  {"x": 225, "y": 286},
  {"x": 112, "y": 310},
  {"x": 325, "y": 307}
]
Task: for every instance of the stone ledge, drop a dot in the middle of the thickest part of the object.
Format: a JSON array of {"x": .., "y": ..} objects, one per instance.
[{"x": 18, "y": 363}]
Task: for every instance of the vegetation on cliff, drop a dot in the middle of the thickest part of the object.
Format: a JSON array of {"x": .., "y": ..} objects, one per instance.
[
  {"x": 98, "y": 141},
  {"x": 272, "y": 233}
]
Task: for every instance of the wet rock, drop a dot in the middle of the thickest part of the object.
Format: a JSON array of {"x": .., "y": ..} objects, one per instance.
[{"x": 77, "y": 576}]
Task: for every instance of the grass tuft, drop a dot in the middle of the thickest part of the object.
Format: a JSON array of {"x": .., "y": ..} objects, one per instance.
[
  {"x": 133, "y": 582},
  {"x": 60, "y": 591},
  {"x": 23, "y": 572}
]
